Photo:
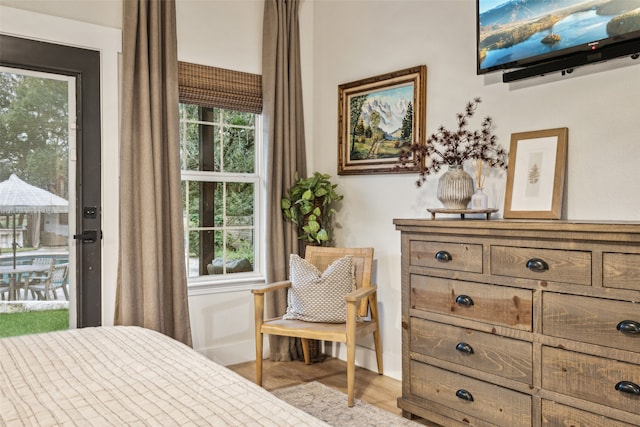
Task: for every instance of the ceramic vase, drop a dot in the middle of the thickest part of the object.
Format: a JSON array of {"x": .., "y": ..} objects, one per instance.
[{"x": 455, "y": 188}]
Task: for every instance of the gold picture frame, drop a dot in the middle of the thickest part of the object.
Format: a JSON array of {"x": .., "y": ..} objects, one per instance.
[
  {"x": 377, "y": 118},
  {"x": 536, "y": 174}
]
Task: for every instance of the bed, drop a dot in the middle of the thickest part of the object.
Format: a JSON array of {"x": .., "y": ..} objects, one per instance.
[{"x": 124, "y": 375}]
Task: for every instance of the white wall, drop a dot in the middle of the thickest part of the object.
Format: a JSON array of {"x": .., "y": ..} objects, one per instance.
[
  {"x": 359, "y": 39},
  {"x": 344, "y": 41},
  {"x": 105, "y": 13}
]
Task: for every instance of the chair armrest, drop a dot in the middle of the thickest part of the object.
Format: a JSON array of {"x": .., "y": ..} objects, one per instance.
[
  {"x": 271, "y": 287},
  {"x": 361, "y": 293}
]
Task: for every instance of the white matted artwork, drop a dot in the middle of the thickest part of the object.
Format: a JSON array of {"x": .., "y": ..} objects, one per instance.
[{"x": 535, "y": 179}]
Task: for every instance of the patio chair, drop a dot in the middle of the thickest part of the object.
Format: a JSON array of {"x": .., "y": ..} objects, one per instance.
[
  {"x": 42, "y": 261},
  {"x": 57, "y": 279},
  {"x": 39, "y": 277},
  {"x": 4, "y": 290}
]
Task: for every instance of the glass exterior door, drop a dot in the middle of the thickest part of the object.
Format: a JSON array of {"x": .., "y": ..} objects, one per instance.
[
  {"x": 74, "y": 143},
  {"x": 37, "y": 199}
]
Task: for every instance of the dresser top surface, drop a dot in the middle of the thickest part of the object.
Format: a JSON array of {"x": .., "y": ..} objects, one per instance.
[{"x": 592, "y": 230}]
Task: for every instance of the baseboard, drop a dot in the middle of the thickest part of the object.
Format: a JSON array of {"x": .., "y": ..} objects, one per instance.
[
  {"x": 231, "y": 354},
  {"x": 366, "y": 358}
]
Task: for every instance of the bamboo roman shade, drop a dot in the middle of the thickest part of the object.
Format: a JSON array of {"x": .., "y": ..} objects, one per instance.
[{"x": 218, "y": 87}]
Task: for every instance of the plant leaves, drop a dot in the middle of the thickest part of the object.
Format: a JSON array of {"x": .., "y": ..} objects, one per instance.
[
  {"x": 322, "y": 236},
  {"x": 312, "y": 227},
  {"x": 321, "y": 192},
  {"x": 305, "y": 208}
]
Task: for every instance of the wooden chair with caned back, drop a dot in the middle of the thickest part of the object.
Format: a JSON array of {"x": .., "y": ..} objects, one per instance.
[{"x": 358, "y": 305}]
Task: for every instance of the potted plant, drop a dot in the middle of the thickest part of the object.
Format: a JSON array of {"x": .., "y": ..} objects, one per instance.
[
  {"x": 453, "y": 149},
  {"x": 309, "y": 205}
]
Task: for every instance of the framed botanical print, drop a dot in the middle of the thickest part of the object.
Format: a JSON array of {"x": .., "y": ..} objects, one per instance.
[{"x": 536, "y": 173}]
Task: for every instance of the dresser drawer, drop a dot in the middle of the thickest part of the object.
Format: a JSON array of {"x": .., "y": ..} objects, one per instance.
[
  {"x": 501, "y": 305},
  {"x": 555, "y": 415},
  {"x": 551, "y": 265},
  {"x": 485, "y": 352},
  {"x": 497, "y": 405},
  {"x": 591, "y": 320},
  {"x": 448, "y": 256},
  {"x": 621, "y": 271},
  {"x": 590, "y": 378}
]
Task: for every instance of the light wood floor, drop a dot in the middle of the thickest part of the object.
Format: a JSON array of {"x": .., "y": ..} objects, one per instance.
[{"x": 370, "y": 387}]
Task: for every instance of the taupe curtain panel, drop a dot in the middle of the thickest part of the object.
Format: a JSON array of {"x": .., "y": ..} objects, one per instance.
[
  {"x": 286, "y": 155},
  {"x": 152, "y": 281},
  {"x": 208, "y": 86}
]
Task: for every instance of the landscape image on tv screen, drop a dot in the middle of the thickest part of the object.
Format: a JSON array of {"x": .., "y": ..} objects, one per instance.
[{"x": 515, "y": 32}]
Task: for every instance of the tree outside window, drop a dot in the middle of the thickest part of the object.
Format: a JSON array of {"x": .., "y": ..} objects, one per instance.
[{"x": 220, "y": 189}]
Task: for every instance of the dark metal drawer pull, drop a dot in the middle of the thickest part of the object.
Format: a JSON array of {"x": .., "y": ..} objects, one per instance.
[
  {"x": 464, "y": 300},
  {"x": 628, "y": 387},
  {"x": 463, "y": 347},
  {"x": 629, "y": 327},
  {"x": 464, "y": 394},
  {"x": 443, "y": 256},
  {"x": 537, "y": 265}
]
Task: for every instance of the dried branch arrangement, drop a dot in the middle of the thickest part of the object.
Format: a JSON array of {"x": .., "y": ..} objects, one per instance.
[{"x": 445, "y": 147}]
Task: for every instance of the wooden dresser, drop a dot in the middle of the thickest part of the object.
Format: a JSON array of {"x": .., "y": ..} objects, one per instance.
[{"x": 520, "y": 323}]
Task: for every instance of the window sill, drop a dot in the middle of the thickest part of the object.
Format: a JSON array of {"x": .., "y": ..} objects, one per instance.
[{"x": 205, "y": 286}]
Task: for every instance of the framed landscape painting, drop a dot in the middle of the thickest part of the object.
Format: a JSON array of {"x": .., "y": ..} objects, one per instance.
[{"x": 377, "y": 118}]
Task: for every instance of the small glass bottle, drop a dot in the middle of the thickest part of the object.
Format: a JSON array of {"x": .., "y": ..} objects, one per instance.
[{"x": 479, "y": 200}]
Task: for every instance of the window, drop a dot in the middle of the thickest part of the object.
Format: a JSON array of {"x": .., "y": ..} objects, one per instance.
[
  {"x": 221, "y": 190},
  {"x": 220, "y": 151}
]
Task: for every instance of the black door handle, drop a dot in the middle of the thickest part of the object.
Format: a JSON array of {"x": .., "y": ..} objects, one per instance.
[{"x": 87, "y": 236}]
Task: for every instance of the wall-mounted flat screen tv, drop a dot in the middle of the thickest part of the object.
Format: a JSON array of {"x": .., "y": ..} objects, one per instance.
[{"x": 521, "y": 33}]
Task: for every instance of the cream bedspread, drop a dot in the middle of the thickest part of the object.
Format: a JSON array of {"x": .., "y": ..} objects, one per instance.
[{"x": 127, "y": 376}]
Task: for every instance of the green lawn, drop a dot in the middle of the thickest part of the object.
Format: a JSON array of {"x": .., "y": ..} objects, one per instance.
[{"x": 31, "y": 322}]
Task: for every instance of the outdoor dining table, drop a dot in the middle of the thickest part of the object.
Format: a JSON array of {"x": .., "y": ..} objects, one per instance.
[{"x": 14, "y": 274}]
